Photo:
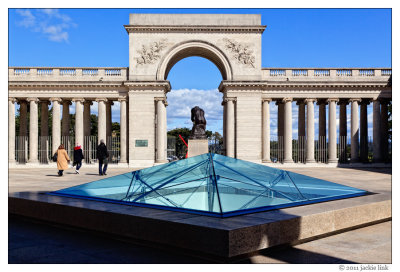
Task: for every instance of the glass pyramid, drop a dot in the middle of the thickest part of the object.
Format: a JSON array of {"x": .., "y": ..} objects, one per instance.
[{"x": 212, "y": 184}]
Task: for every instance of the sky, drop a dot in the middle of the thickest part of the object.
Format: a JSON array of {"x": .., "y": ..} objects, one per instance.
[{"x": 293, "y": 38}]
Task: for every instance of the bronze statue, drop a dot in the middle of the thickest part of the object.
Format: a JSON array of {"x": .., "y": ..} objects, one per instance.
[{"x": 199, "y": 124}]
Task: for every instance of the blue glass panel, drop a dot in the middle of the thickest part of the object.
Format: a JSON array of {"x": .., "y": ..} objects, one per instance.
[{"x": 212, "y": 184}]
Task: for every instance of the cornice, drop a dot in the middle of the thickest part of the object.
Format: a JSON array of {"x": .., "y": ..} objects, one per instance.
[
  {"x": 194, "y": 28},
  {"x": 145, "y": 85},
  {"x": 265, "y": 85}
]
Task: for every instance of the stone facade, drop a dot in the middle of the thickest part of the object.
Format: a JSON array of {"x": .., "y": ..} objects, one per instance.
[{"x": 233, "y": 44}]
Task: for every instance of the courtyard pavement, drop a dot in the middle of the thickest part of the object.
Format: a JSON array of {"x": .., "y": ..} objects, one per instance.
[{"x": 35, "y": 242}]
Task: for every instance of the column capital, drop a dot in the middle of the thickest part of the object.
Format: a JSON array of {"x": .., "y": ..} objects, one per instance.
[
  {"x": 122, "y": 99},
  {"x": 101, "y": 100},
  {"x": 312, "y": 100},
  {"x": 78, "y": 100},
  {"x": 321, "y": 101},
  {"x": 333, "y": 100},
  {"x": 110, "y": 102},
  {"x": 12, "y": 99},
  {"x": 226, "y": 99},
  {"x": 287, "y": 99},
  {"x": 300, "y": 101},
  {"x": 55, "y": 99},
  {"x": 32, "y": 99},
  {"x": 355, "y": 100},
  {"x": 266, "y": 100},
  {"x": 88, "y": 102},
  {"x": 343, "y": 102},
  {"x": 162, "y": 99}
]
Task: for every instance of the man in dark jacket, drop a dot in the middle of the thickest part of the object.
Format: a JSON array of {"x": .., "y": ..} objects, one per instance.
[{"x": 102, "y": 156}]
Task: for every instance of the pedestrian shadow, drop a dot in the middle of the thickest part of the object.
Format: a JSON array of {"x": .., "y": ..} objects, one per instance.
[
  {"x": 91, "y": 174},
  {"x": 51, "y": 175}
]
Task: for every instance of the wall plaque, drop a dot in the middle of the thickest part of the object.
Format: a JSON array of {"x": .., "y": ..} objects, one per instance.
[{"x": 141, "y": 143}]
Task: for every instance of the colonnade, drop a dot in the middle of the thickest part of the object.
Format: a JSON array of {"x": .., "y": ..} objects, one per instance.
[
  {"x": 306, "y": 122},
  {"x": 61, "y": 127},
  {"x": 358, "y": 131}
]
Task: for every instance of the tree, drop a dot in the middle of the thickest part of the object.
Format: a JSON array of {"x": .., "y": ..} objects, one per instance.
[
  {"x": 180, "y": 147},
  {"x": 116, "y": 129},
  {"x": 93, "y": 124}
]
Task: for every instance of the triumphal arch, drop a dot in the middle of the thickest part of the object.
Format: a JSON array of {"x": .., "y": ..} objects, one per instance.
[{"x": 233, "y": 44}]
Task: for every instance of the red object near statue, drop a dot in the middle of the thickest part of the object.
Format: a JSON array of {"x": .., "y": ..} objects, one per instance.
[{"x": 185, "y": 144}]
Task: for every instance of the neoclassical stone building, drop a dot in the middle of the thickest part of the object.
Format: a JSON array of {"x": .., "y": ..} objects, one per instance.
[{"x": 233, "y": 44}]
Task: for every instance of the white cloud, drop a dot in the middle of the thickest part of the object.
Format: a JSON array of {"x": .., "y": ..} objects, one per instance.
[
  {"x": 49, "y": 22},
  {"x": 28, "y": 20},
  {"x": 181, "y": 101}
]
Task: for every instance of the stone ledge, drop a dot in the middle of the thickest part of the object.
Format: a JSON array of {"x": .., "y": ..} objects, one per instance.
[{"x": 225, "y": 238}]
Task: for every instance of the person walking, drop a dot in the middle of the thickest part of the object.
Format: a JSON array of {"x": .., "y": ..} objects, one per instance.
[
  {"x": 102, "y": 156},
  {"x": 62, "y": 160},
  {"x": 78, "y": 157}
]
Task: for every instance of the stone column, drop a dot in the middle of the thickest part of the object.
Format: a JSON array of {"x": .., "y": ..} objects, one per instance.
[
  {"x": 161, "y": 130},
  {"x": 364, "y": 131},
  {"x": 223, "y": 104},
  {"x": 101, "y": 127},
  {"x": 109, "y": 118},
  {"x": 56, "y": 128},
  {"x": 86, "y": 117},
  {"x": 33, "y": 130},
  {"x": 11, "y": 130},
  {"x": 123, "y": 129},
  {"x": 266, "y": 130},
  {"x": 79, "y": 120},
  {"x": 23, "y": 120},
  {"x": 288, "y": 131},
  {"x": 165, "y": 131},
  {"x": 332, "y": 130},
  {"x": 230, "y": 127},
  {"x": 354, "y": 129},
  {"x": 310, "y": 131},
  {"x": 65, "y": 118},
  {"x": 377, "y": 156},
  {"x": 322, "y": 117},
  {"x": 384, "y": 129},
  {"x": 301, "y": 118}
]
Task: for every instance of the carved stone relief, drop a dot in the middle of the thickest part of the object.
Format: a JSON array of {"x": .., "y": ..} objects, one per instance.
[
  {"x": 151, "y": 53},
  {"x": 240, "y": 52}
]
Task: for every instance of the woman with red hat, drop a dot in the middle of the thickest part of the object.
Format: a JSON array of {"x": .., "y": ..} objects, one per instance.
[{"x": 78, "y": 157}]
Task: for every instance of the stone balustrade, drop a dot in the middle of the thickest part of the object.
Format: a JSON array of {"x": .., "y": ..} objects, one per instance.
[
  {"x": 326, "y": 74},
  {"x": 67, "y": 74},
  {"x": 270, "y": 74}
]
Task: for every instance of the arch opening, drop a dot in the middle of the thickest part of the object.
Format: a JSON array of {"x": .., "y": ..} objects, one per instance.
[
  {"x": 194, "y": 82},
  {"x": 195, "y": 49}
]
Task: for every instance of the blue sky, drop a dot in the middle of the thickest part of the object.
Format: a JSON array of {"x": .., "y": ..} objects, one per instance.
[{"x": 293, "y": 38}]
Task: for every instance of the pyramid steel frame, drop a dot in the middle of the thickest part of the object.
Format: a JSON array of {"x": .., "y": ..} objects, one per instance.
[{"x": 212, "y": 185}]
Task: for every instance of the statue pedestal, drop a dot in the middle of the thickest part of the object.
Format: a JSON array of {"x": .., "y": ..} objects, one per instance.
[{"x": 197, "y": 147}]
